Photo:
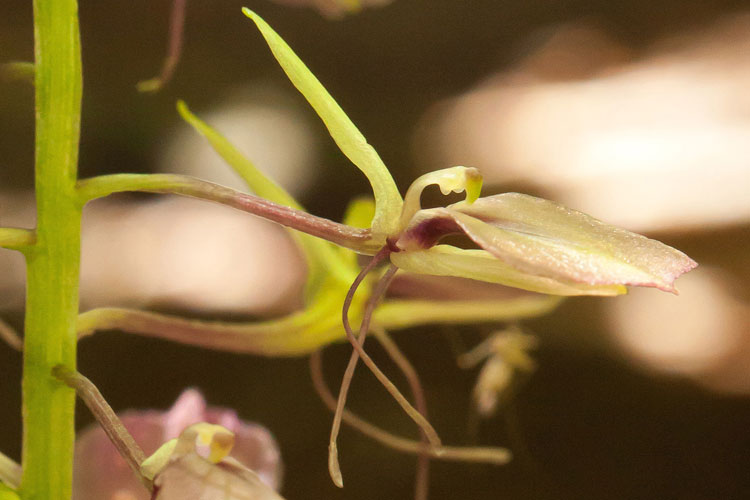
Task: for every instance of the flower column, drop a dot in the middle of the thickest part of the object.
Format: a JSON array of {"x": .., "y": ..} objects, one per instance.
[{"x": 53, "y": 262}]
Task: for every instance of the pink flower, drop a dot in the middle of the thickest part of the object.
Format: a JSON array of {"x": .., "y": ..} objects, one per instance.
[{"x": 101, "y": 474}]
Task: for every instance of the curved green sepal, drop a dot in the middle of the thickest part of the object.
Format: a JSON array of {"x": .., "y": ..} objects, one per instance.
[
  {"x": 322, "y": 257},
  {"x": 297, "y": 334},
  {"x": 348, "y": 138},
  {"x": 253, "y": 177}
]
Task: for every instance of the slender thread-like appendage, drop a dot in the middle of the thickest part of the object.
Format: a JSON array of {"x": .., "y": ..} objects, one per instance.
[
  {"x": 359, "y": 352},
  {"x": 422, "y": 477},
  {"x": 105, "y": 415},
  {"x": 340, "y": 234},
  {"x": 488, "y": 455},
  {"x": 174, "y": 49}
]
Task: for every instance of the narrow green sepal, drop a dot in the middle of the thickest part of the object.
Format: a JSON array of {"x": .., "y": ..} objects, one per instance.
[
  {"x": 322, "y": 257},
  {"x": 346, "y": 135}
]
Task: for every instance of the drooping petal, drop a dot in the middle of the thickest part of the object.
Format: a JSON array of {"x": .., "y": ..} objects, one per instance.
[
  {"x": 541, "y": 238},
  {"x": 348, "y": 138},
  {"x": 545, "y": 238},
  {"x": 446, "y": 260}
]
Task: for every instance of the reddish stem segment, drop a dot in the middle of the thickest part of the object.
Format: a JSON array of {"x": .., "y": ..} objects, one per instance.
[{"x": 355, "y": 239}]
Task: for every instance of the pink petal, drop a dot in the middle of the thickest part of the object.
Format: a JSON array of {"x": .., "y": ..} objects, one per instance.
[{"x": 101, "y": 474}]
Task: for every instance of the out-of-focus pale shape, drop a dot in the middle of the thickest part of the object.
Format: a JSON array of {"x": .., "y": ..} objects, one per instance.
[
  {"x": 660, "y": 143},
  {"x": 699, "y": 333},
  {"x": 262, "y": 123},
  {"x": 335, "y": 8},
  {"x": 189, "y": 254},
  {"x": 172, "y": 252}
]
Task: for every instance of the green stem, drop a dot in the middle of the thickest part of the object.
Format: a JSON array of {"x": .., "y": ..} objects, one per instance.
[
  {"x": 14, "y": 238},
  {"x": 53, "y": 262},
  {"x": 353, "y": 238}
]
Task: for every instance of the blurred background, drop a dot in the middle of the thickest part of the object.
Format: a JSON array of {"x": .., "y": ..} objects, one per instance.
[{"x": 634, "y": 112}]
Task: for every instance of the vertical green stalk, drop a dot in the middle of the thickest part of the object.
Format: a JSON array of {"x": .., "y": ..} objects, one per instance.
[{"x": 53, "y": 262}]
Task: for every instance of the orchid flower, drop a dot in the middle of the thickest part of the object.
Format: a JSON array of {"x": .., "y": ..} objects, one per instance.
[
  {"x": 521, "y": 241},
  {"x": 189, "y": 446}
]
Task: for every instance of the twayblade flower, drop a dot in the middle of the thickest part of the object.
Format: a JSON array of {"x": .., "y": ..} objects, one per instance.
[
  {"x": 523, "y": 242},
  {"x": 100, "y": 473},
  {"x": 196, "y": 466}
]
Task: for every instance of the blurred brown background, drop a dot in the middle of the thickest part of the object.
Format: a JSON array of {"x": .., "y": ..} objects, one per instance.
[{"x": 656, "y": 408}]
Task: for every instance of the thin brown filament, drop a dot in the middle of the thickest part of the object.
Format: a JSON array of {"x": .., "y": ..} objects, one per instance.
[
  {"x": 422, "y": 475},
  {"x": 476, "y": 454},
  {"x": 174, "y": 49},
  {"x": 359, "y": 352},
  {"x": 334, "y": 468},
  {"x": 105, "y": 415},
  {"x": 412, "y": 412}
]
